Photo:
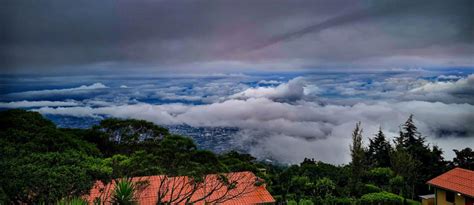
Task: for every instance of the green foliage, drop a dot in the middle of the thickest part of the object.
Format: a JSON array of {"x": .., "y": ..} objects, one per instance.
[
  {"x": 325, "y": 187},
  {"x": 117, "y": 136},
  {"x": 413, "y": 202},
  {"x": 41, "y": 163},
  {"x": 464, "y": 158},
  {"x": 378, "y": 154},
  {"x": 335, "y": 201},
  {"x": 292, "y": 202},
  {"x": 17, "y": 119},
  {"x": 397, "y": 185},
  {"x": 428, "y": 162},
  {"x": 370, "y": 188},
  {"x": 72, "y": 201},
  {"x": 358, "y": 161},
  {"x": 305, "y": 202},
  {"x": 238, "y": 161},
  {"x": 125, "y": 192},
  {"x": 44, "y": 164},
  {"x": 404, "y": 165},
  {"x": 131, "y": 131},
  {"x": 381, "y": 198},
  {"x": 380, "y": 176}
]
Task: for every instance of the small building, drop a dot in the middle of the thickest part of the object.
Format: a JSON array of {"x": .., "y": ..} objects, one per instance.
[
  {"x": 455, "y": 187},
  {"x": 248, "y": 189},
  {"x": 427, "y": 199}
]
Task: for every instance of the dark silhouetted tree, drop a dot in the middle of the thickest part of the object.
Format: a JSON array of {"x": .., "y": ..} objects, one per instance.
[
  {"x": 429, "y": 161},
  {"x": 379, "y": 150},
  {"x": 464, "y": 158}
]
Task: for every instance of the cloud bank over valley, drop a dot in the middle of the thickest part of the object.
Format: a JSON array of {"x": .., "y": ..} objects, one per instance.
[{"x": 283, "y": 117}]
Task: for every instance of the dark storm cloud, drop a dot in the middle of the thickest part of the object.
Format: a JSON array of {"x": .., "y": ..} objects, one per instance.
[
  {"x": 62, "y": 33},
  {"x": 393, "y": 8}
]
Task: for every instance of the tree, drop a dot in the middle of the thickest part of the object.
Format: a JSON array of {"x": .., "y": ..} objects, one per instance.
[
  {"x": 117, "y": 136},
  {"x": 409, "y": 135},
  {"x": 381, "y": 198},
  {"x": 194, "y": 189},
  {"x": 358, "y": 160},
  {"x": 379, "y": 150},
  {"x": 235, "y": 161},
  {"x": 405, "y": 166},
  {"x": 429, "y": 161},
  {"x": 464, "y": 158},
  {"x": 380, "y": 176},
  {"x": 325, "y": 187},
  {"x": 41, "y": 163},
  {"x": 301, "y": 186},
  {"x": 131, "y": 131}
]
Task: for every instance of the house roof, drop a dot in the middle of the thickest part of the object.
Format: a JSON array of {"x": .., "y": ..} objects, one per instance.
[
  {"x": 245, "y": 192},
  {"x": 457, "y": 180}
]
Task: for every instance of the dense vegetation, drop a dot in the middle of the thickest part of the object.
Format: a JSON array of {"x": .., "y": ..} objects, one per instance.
[{"x": 43, "y": 163}]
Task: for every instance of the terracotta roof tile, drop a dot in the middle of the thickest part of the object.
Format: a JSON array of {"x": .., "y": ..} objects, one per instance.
[
  {"x": 457, "y": 179},
  {"x": 245, "y": 192}
]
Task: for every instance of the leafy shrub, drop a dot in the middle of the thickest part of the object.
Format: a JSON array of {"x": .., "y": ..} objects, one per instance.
[
  {"x": 380, "y": 175},
  {"x": 305, "y": 202},
  {"x": 325, "y": 187},
  {"x": 397, "y": 184},
  {"x": 413, "y": 202},
  {"x": 381, "y": 198},
  {"x": 72, "y": 201},
  {"x": 370, "y": 188},
  {"x": 336, "y": 201},
  {"x": 292, "y": 202}
]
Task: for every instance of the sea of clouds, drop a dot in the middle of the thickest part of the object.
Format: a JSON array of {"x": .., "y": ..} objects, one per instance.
[{"x": 280, "y": 117}]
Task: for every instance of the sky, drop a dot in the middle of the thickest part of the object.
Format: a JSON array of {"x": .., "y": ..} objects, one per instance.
[
  {"x": 61, "y": 36},
  {"x": 293, "y": 76}
]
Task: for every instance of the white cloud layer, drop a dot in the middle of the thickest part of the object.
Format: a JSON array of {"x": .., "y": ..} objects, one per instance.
[
  {"x": 310, "y": 116},
  {"x": 290, "y": 132},
  {"x": 83, "y": 89},
  {"x": 43, "y": 103},
  {"x": 293, "y": 90},
  {"x": 461, "y": 86}
]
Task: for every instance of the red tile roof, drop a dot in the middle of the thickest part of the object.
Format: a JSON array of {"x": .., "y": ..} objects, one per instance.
[
  {"x": 245, "y": 192},
  {"x": 457, "y": 179}
]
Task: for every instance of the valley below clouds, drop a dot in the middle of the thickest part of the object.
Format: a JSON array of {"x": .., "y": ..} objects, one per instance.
[{"x": 280, "y": 116}]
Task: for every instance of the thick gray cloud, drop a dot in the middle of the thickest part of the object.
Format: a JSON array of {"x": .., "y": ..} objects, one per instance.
[{"x": 118, "y": 35}]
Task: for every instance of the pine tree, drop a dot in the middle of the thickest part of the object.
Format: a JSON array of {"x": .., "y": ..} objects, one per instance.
[
  {"x": 358, "y": 158},
  {"x": 410, "y": 138},
  {"x": 379, "y": 151},
  {"x": 429, "y": 162}
]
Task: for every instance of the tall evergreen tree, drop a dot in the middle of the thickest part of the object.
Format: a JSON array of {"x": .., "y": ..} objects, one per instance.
[
  {"x": 378, "y": 154},
  {"x": 430, "y": 162},
  {"x": 358, "y": 159},
  {"x": 410, "y": 139}
]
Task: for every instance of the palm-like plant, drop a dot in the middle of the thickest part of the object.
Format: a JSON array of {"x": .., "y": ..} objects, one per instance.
[
  {"x": 72, "y": 201},
  {"x": 124, "y": 193}
]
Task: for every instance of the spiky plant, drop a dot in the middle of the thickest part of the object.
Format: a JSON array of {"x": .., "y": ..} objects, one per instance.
[
  {"x": 72, "y": 201},
  {"x": 124, "y": 193}
]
